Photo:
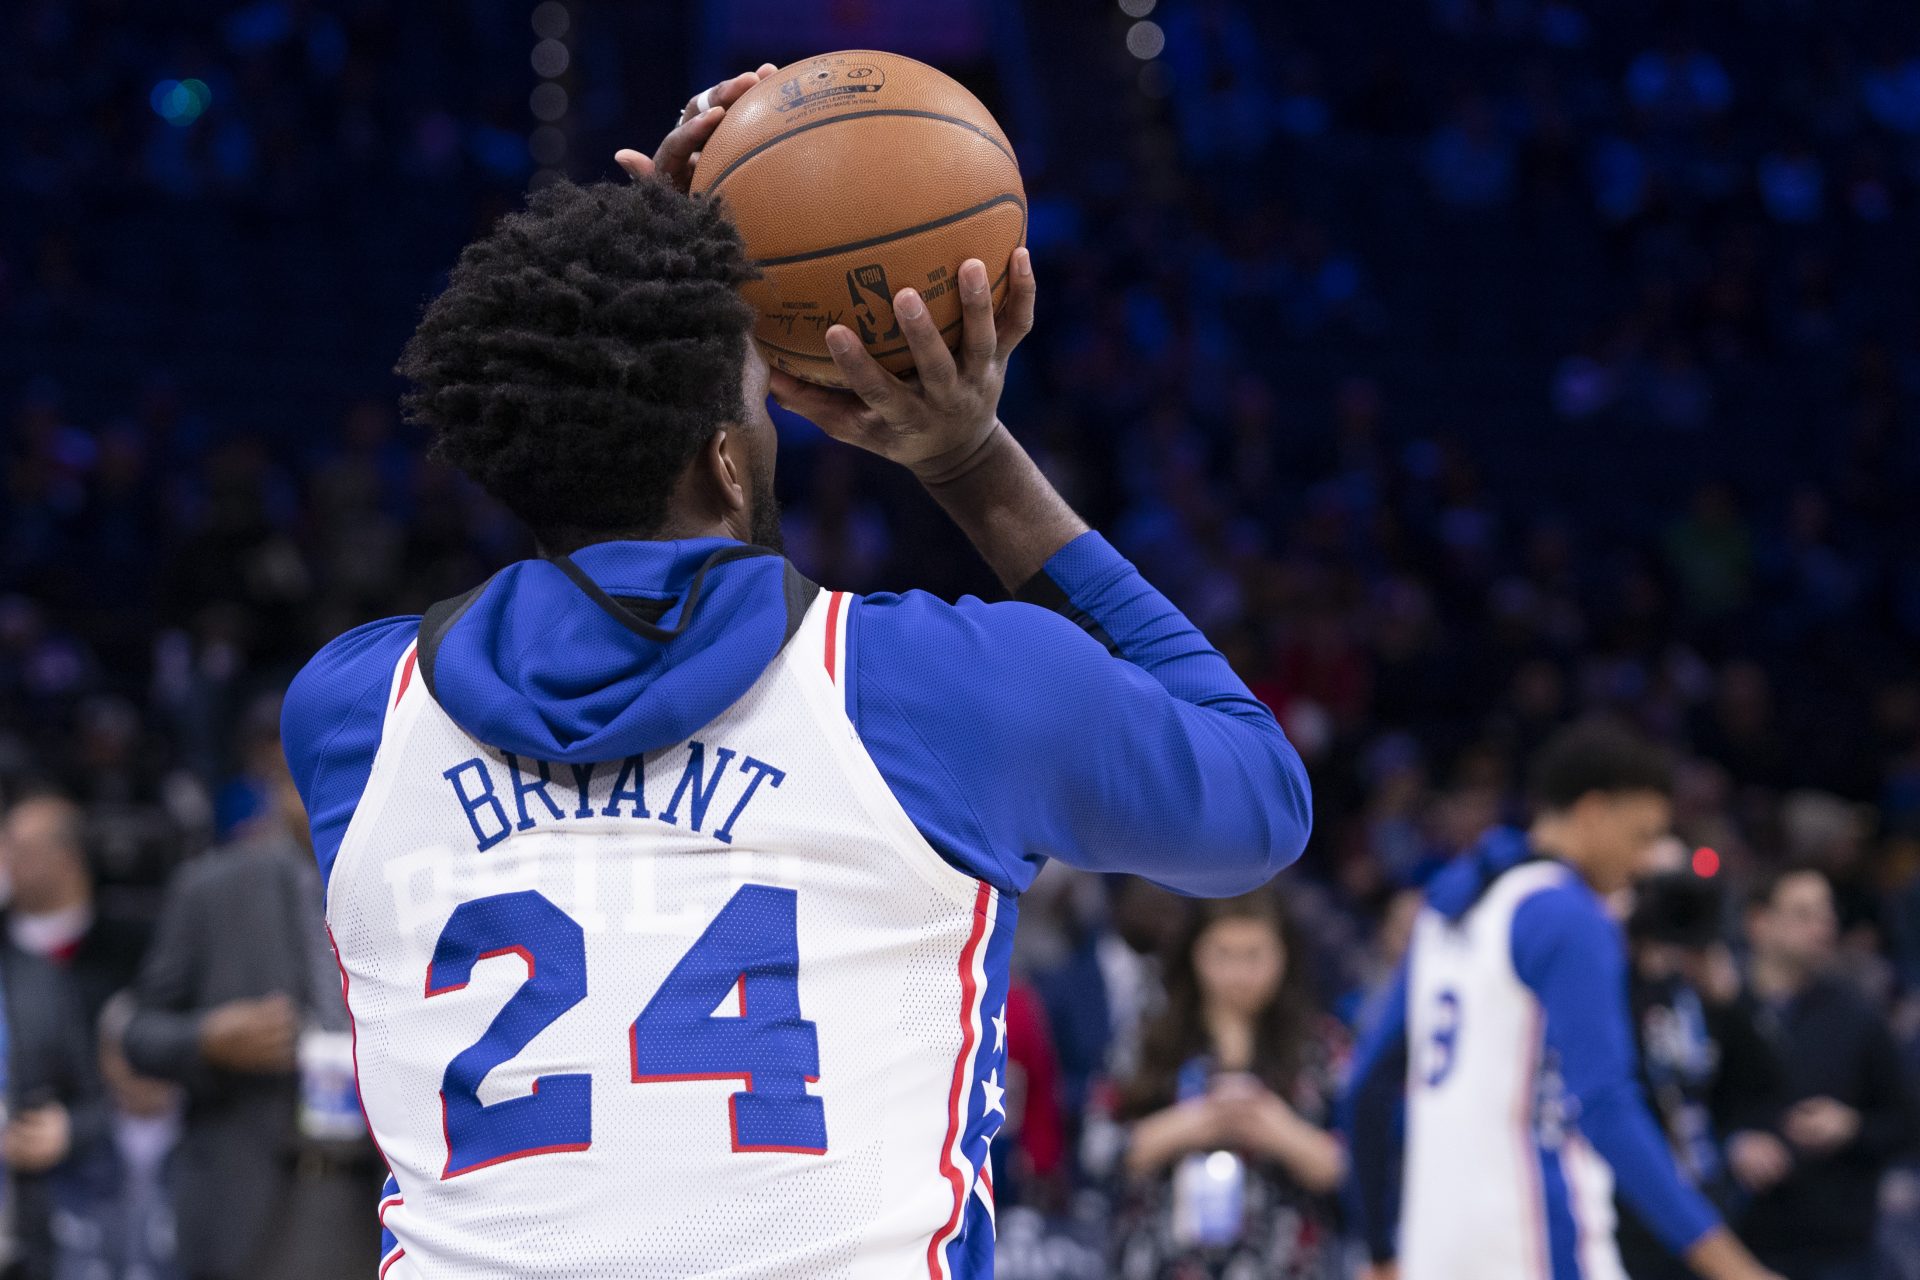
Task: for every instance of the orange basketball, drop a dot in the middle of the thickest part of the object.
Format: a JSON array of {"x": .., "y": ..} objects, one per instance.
[{"x": 852, "y": 176}]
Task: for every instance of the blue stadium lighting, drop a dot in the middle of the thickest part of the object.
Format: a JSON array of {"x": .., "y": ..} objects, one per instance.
[{"x": 180, "y": 102}]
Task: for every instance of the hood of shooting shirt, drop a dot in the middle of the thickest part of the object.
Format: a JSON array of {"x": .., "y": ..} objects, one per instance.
[
  {"x": 1458, "y": 885},
  {"x": 530, "y": 663}
]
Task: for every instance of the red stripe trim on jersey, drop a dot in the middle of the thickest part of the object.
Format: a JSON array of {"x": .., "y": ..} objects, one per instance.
[
  {"x": 449, "y": 1173},
  {"x": 833, "y": 632},
  {"x": 406, "y": 673},
  {"x": 956, "y": 1094},
  {"x": 353, "y": 1029},
  {"x": 392, "y": 1258},
  {"x": 1530, "y": 1145}
]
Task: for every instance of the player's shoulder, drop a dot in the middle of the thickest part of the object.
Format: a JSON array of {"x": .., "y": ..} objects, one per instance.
[
  {"x": 346, "y": 677},
  {"x": 1554, "y": 892},
  {"x": 916, "y": 616},
  {"x": 917, "y": 648},
  {"x": 346, "y": 666},
  {"x": 1559, "y": 915},
  {"x": 1554, "y": 886}
]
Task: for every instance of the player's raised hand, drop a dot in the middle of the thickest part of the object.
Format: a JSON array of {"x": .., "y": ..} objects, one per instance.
[
  {"x": 935, "y": 423},
  {"x": 679, "y": 151}
]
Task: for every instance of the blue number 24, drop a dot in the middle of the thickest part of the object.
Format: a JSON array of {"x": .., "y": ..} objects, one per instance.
[{"x": 751, "y": 951}]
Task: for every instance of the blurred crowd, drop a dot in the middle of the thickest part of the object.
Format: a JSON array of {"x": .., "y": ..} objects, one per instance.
[{"x": 1461, "y": 366}]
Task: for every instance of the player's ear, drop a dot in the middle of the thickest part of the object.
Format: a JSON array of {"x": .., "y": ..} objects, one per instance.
[{"x": 725, "y": 462}]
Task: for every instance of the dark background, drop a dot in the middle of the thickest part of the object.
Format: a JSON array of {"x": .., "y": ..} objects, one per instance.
[{"x": 1462, "y": 366}]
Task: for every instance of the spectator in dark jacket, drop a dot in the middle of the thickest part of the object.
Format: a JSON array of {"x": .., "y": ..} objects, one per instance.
[
  {"x": 1847, "y": 1111},
  {"x": 54, "y": 913},
  {"x": 240, "y": 968},
  {"x": 52, "y": 1099},
  {"x": 1708, "y": 1073}
]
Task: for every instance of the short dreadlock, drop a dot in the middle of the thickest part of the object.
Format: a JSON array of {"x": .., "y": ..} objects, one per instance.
[{"x": 582, "y": 353}]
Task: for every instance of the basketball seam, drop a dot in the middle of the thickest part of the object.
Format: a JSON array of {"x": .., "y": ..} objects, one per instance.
[
  {"x": 758, "y": 147},
  {"x": 875, "y": 241},
  {"x": 890, "y": 351}
]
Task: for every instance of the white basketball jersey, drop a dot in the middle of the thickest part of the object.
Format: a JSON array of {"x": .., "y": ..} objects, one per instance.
[
  {"x": 1498, "y": 1186},
  {"x": 718, "y": 1011}
]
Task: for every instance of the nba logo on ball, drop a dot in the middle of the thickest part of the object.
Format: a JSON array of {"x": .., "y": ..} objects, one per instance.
[
  {"x": 827, "y": 84},
  {"x": 867, "y": 286},
  {"x": 784, "y": 161}
]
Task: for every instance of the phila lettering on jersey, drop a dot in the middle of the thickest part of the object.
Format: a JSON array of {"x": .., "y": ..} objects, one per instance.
[{"x": 719, "y": 1010}]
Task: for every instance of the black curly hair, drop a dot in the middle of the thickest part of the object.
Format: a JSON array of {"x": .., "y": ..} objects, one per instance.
[
  {"x": 582, "y": 353},
  {"x": 1596, "y": 755}
]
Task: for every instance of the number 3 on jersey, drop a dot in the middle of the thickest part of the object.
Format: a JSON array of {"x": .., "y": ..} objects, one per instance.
[
  {"x": 750, "y": 951},
  {"x": 1446, "y": 1038}
]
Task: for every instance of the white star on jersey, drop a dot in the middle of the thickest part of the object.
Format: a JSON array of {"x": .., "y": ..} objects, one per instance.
[
  {"x": 999, "y": 1029},
  {"x": 994, "y": 1092}
]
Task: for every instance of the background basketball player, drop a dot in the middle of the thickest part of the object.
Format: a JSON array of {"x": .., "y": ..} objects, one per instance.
[{"x": 1509, "y": 1029}]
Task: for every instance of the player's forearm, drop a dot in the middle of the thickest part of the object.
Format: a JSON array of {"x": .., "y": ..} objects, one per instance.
[{"x": 1007, "y": 508}]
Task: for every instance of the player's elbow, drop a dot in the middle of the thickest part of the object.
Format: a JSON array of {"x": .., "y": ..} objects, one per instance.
[
  {"x": 1284, "y": 802},
  {"x": 1274, "y": 806},
  {"x": 1290, "y": 806}
]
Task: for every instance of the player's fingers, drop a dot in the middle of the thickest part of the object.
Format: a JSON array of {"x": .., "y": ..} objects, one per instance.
[
  {"x": 731, "y": 91},
  {"x": 809, "y": 399},
  {"x": 880, "y": 390},
  {"x": 931, "y": 359},
  {"x": 724, "y": 94},
  {"x": 976, "y": 314},
  {"x": 1016, "y": 317},
  {"x": 637, "y": 166},
  {"x": 674, "y": 159},
  {"x": 788, "y": 391},
  {"x": 766, "y": 69},
  {"x": 840, "y": 414}
]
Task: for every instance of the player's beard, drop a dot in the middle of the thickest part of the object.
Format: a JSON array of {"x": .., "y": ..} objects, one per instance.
[{"x": 764, "y": 527}]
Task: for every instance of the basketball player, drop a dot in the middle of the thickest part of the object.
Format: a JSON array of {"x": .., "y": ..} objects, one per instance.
[
  {"x": 1509, "y": 1029},
  {"x": 673, "y": 895}
]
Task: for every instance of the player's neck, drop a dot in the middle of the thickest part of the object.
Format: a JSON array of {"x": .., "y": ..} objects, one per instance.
[
  {"x": 685, "y": 527},
  {"x": 676, "y": 528},
  {"x": 1548, "y": 837}
]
